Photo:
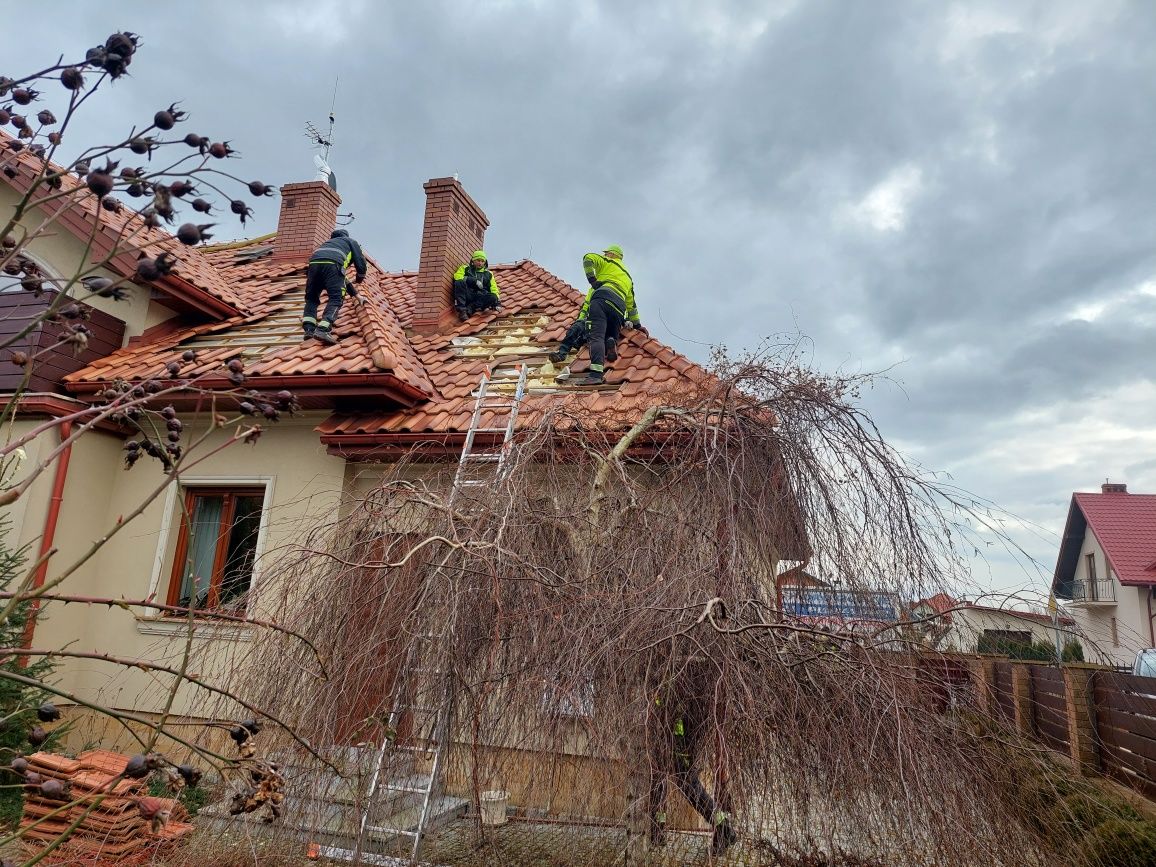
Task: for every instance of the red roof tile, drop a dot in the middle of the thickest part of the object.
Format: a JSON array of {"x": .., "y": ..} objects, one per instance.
[
  {"x": 194, "y": 275},
  {"x": 441, "y": 370},
  {"x": 1125, "y": 526}
]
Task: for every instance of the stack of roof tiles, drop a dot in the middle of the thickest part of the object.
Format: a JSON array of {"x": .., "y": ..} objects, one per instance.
[{"x": 113, "y": 826}]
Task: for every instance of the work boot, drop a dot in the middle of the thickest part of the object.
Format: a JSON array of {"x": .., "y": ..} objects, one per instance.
[
  {"x": 559, "y": 356},
  {"x": 462, "y": 315},
  {"x": 611, "y": 350},
  {"x": 594, "y": 377},
  {"x": 325, "y": 336},
  {"x": 308, "y": 333},
  {"x": 723, "y": 838}
]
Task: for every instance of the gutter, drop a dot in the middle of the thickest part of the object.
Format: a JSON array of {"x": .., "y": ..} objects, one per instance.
[{"x": 48, "y": 537}]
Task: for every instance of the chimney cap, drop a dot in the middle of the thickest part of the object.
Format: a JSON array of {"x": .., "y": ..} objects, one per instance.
[{"x": 1113, "y": 488}]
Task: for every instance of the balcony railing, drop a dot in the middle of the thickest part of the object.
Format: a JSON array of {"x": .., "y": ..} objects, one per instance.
[{"x": 1089, "y": 592}]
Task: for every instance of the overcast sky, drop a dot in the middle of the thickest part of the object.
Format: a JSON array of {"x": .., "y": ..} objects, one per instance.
[{"x": 959, "y": 192}]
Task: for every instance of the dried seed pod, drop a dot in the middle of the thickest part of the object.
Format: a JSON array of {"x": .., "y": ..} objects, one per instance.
[
  {"x": 48, "y": 712},
  {"x": 55, "y": 138},
  {"x": 72, "y": 78},
  {"x": 19, "y": 764},
  {"x": 202, "y": 206},
  {"x": 54, "y": 790},
  {"x": 18, "y": 358},
  {"x": 220, "y": 150},
  {"x": 247, "y": 408},
  {"x": 188, "y": 234},
  {"x": 270, "y": 412},
  {"x": 175, "y": 424},
  {"x": 167, "y": 118},
  {"x": 24, "y": 95},
  {"x": 147, "y": 269},
  {"x": 173, "y": 368},
  {"x": 46, "y": 118},
  {"x": 235, "y": 365},
  {"x": 100, "y": 183},
  {"x": 135, "y": 190},
  {"x": 189, "y": 355},
  {"x": 169, "y": 412},
  {"x": 137, "y": 767},
  {"x": 37, "y": 736},
  {"x": 192, "y": 776},
  {"x": 240, "y": 209},
  {"x": 259, "y": 189}
]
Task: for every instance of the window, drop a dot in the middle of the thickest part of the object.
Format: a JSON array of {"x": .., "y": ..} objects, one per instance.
[
  {"x": 213, "y": 565},
  {"x": 1090, "y": 559}
]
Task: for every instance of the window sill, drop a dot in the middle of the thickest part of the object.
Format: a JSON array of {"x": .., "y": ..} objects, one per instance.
[{"x": 177, "y": 627}]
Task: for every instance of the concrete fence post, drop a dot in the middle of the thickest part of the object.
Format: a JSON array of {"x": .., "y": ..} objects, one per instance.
[
  {"x": 1022, "y": 698},
  {"x": 1081, "y": 710}
]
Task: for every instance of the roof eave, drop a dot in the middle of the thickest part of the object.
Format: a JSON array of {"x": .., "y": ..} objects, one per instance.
[{"x": 1075, "y": 529}]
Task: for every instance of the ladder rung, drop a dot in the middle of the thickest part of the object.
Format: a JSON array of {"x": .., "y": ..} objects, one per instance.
[
  {"x": 482, "y": 456},
  {"x": 394, "y": 787},
  {"x": 380, "y": 829},
  {"x": 490, "y": 430}
]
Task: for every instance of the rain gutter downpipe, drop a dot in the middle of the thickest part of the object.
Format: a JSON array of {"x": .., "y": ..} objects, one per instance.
[{"x": 49, "y": 536}]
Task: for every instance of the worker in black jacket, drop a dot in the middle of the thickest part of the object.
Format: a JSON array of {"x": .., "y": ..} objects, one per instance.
[{"x": 326, "y": 272}]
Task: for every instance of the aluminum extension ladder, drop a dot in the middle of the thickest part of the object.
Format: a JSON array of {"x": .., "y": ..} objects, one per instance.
[
  {"x": 472, "y": 463},
  {"x": 428, "y": 697}
]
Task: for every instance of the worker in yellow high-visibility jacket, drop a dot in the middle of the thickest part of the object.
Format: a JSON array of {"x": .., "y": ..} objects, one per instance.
[
  {"x": 608, "y": 309},
  {"x": 677, "y": 729}
]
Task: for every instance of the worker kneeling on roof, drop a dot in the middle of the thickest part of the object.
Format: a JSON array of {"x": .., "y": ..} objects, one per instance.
[
  {"x": 475, "y": 287},
  {"x": 327, "y": 272},
  {"x": 608, "y": 309}
]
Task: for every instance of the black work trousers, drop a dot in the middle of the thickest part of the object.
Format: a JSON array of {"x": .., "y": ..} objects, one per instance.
[
  {"x": 469, "y": 299},
  {"x": 692, "y": 789},
  {"x": 327, "y": 277},
  {"x": 607, "y": 313}
]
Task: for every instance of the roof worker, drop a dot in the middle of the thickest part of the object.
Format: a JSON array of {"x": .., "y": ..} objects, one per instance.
[
  {"x": 475, "y": 287},
  {"x": 677, "y": 729},
  {"x": 326, "y": 272},
  {"x": 609, "y": 308},
  {"x": 575, "y": 338}
]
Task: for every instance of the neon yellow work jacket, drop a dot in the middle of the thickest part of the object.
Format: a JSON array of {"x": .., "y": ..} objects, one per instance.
[{"x": 605, "y": 273}]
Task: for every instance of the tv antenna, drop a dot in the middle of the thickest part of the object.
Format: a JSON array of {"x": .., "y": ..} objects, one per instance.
[{"x": 324, "y": 172}]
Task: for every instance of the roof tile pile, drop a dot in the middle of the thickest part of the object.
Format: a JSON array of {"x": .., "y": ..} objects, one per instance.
[{"x": 113, "y": 827}]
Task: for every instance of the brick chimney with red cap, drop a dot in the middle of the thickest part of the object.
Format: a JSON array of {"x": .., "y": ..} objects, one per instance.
[
  {"x": 308, "y": 217},
  {"x": 454, "y": 227}
]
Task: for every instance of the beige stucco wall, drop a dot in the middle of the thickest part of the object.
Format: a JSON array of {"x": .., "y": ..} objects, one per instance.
[
  {"x": 1130, "y": 613},
  {"x": 305, "y": 486},
  {"x": 968, "y": 624},
  {"x": 63, "y": 254}
]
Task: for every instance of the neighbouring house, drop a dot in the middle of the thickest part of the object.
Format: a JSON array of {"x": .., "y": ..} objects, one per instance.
[
  {"x": 1106, "y": 568},
  {"x": 956, "y": 625},
  {"x": 815, "y": 603},
  {"x": 403, "y": 376}
]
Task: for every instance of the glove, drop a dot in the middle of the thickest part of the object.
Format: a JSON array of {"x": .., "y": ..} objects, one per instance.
[
  {"x": 642, "y": 328},
  {"x": 478, "y": 282},
  {"x": 627, "y": 325},
  {"x": 360, "y": 278}
]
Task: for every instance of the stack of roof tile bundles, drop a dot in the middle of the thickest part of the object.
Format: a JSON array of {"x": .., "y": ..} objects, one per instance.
[{"x": 121, "y": 817}]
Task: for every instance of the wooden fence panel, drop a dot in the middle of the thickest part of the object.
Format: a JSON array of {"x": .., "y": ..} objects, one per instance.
[
  {"x": 1004, "y": 699},
  {"x": 1051, "y": 709},
  {"x": 1126, "y": 726}
]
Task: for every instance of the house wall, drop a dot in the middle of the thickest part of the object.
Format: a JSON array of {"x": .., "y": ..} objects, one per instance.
[
  {"x": 1114, "y": 632},
  {"x": 137, "y": 561},
  {"x": 63, "y": 254},
  {"x": 969, "y": 624}
]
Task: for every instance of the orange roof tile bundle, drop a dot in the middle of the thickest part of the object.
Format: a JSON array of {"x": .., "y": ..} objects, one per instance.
[{"x": 112, "y": 812}]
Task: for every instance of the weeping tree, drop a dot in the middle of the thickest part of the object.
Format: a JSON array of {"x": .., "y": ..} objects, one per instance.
[{"x": 620, "y": 575}]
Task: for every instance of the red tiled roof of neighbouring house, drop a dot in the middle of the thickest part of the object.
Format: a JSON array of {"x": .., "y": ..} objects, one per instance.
[
  {"x": 1125, "y": 526},
  {"x": 194, "y": 282}
]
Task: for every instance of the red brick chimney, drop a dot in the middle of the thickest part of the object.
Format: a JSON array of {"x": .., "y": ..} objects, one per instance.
[
  {"x": 454, "y": 227},
  {"x": 1113, "y": 488},
  {"x": 308, "y": 216}
]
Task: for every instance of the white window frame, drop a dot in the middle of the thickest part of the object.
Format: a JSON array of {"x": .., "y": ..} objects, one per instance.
[{"x": 153, "y": 621}]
